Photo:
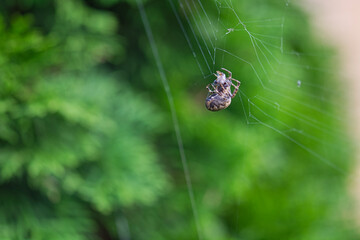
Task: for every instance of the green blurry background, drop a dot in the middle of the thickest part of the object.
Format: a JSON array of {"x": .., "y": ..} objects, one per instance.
[{"x": 87, "y": 143}]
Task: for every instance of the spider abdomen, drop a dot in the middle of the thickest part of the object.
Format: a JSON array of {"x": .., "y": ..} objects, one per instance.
[{"x": 215, "y": 102}]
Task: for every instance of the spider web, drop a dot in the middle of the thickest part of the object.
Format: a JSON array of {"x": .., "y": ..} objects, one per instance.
[
  {"x": 280, "y": 93},
  {"x": 265, "y": 58}
]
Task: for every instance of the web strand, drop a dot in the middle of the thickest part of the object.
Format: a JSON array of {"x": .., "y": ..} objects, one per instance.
[{"x": 173, "y": 114}]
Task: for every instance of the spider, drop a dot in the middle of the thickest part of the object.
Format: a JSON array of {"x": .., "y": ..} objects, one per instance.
[{"x": 220, "y": 97}]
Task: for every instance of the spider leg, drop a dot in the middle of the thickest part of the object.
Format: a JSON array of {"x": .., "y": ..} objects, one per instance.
[
  {"x": 236, "y": 87},
  {"x": 233, "y": 79},
  {"x": 230, "y": 74},
  {"x": 214, "y": 88}
]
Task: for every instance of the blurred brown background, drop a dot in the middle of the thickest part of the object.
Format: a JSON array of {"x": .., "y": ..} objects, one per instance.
[{"x": 338, "y": 23}]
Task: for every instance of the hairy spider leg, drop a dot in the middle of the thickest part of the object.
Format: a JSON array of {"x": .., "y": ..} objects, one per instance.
[
  {"x": 222, "y": 88},
  {"x": 233, "y": 79},
  {"x": 212, "y": 91},
  {"x": 230, "y": 74},
  {"x": 236, "y": 87}
]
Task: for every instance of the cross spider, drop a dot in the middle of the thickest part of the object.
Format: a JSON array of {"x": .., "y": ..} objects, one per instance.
[{"x": 220, "y": 97}]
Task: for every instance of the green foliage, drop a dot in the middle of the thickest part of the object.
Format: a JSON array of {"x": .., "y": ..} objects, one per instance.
[
  {"x": 73, "y": 139},
  {"x": 87, "y": 144}
]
